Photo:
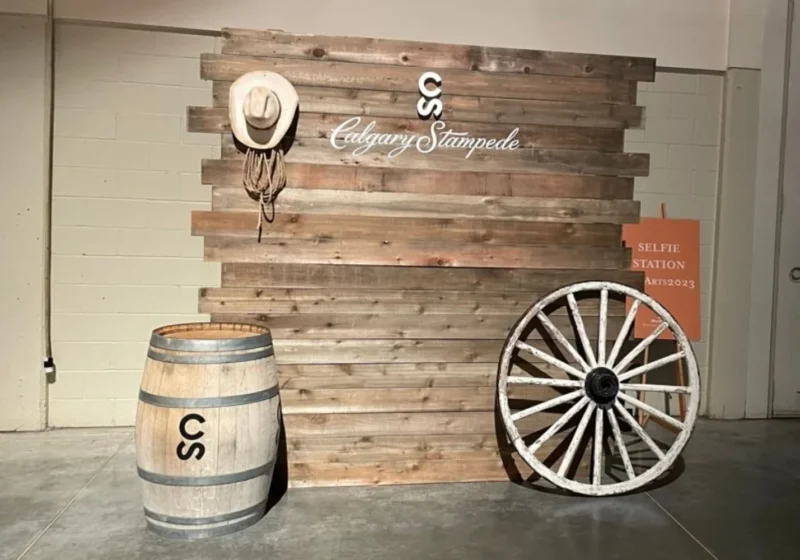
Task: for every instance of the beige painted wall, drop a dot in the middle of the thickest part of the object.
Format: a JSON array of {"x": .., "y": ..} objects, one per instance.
[
  {"x": 126, "y": 178},
  {"x": 742, "y": 333},
  {"x": 727, "y": 385},
  {"x": 746, "y": 38},
  {"x": 786, "y": 378},
  {"x": 772, "y": 93},
  {"x": 25, "y": 7},
  {"x": 680, "y": 33},
  {"x": 23, "y": 149}
]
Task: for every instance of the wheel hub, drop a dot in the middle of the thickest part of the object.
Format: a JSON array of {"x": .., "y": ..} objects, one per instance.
[{"x": 602, "y": 386}]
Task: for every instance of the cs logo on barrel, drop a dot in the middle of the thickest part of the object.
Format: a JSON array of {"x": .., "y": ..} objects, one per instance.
[{"x": 197, "y": 449}]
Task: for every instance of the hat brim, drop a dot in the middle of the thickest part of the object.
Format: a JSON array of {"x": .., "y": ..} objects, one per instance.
[{"x": 287, "y": 96}]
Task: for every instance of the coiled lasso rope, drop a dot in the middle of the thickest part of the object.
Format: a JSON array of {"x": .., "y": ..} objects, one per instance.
[{"x": 264, "y": 174}]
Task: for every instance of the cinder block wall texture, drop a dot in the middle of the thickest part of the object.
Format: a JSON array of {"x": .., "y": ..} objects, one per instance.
[
  {"x": 127, "y": 179},
  {"x": 682, "y": 135}
]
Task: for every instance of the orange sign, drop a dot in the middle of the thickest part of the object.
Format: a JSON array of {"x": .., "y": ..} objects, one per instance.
[{"x": 668, "y": 252}]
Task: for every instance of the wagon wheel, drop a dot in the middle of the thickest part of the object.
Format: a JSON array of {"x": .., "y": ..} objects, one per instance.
[{"x": 594, "y": 388}]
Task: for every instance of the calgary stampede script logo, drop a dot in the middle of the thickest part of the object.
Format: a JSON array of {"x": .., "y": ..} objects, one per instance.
[{"x": 439, "y": 135}]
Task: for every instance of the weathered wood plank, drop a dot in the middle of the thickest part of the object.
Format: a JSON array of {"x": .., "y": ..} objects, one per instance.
[
  {"x": 396, "y": 302},
  {"x": 385, "y": 351},
  {"x": 376, "y": 179},
  {"x": 320, "y": 351},
  {"x": 393, "y": 448},
  {"x": 214, "y": 120},
  {"x": 379, "y": 376},
  {"x": 412, "y": 253},
  {"x": 410, "y": 376},
  {"x": 398, "y": 78},
  {"x": 434, "y": 55},
  {"x": 350, "y": 401},
  {"x": 385, "y": 459},
  {"x": 453, "y": 467},
  {"x": 375, "y": 228},
  {"x": 314, "y": 475},
  {"x": 410, "y": 278},
  {"x": 385, "y": 326},
  {"x": 407, "y": 205},
  {"x": 399, "y": 423},
  {"x": 523, "y": 160},
  {"x": 459, "y": 108}
]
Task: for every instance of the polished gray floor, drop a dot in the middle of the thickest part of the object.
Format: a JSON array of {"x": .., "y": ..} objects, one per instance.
[{"x": 73, "y": 495}]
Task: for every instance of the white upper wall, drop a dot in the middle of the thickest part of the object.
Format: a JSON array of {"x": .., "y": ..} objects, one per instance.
[
  {"x": 746, "y": 40},
  {"x": 678, "y": 33},
  {"x": 23, "y": 180},
  {"x": 27, "y": 7}
]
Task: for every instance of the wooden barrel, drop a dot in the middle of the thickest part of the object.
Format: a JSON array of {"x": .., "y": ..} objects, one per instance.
[{"x": 207, "y": 428}]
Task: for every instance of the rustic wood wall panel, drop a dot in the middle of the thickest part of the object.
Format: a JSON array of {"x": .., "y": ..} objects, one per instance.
[
  {"x": 530, "y": 282},
  {"x": 212, "y": 119},
  {"x": 544, "y": 160},
  {"x": 390, "y": 283},
  {"x": 397, "y": 205},
  {"x": 435, "y": 55},
  {"x": 459, "y": 108},
  {"x": 374, "y": 179},
  {"x": 404, "y": 79},
  {"x": 425, "y": 253},
  {"x": 377, "y": 228}
]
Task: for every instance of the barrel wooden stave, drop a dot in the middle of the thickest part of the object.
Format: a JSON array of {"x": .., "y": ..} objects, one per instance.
[{"x": 229, "y": 410}]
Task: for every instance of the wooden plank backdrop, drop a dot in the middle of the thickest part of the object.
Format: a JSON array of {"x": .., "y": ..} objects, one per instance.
[{"x": 390, "y": 284}]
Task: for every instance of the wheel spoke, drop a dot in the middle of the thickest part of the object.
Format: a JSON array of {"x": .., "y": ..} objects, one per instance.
[
  {"x": 577, "y": 436},
  {"x": 552, "y": 360},
  {"x": 623, "y": 332},
  {"x": 546, "y": 405},
  {"x": 576, "y": 315},
  {"x": 544, "y": 381},
  {"x": 597, "y": 462},
  {"x": 626, "y": 361},
  {"x": 639, "y": 430},
  {"x": 562, "y": 340},
  {"x": 558, "y": 424},
  {"x": 652, "y": 365},
  {"x": 601, "y": 328},
  {"x": 623, "y": 451},
  {"x": 679, "y": 389},
  {"x": 651, "y": 410}
]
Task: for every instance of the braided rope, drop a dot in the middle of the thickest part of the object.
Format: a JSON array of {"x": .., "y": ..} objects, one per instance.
[{"x": 264, "y": 177}]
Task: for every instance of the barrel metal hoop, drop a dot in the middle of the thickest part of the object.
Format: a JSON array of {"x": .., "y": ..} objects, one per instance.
[
  {"x": 197, "y": 481},
  {"x": 208, "y": 402},
  {"x": 209, "y": 359},
  {"x": 211, "y": 345},
  {"x": 188, "y": 534},
  {"x": 258, "y": 508}
]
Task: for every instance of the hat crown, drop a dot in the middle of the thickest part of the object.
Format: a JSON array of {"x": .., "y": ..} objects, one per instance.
[{"x": 262, "y": 108}]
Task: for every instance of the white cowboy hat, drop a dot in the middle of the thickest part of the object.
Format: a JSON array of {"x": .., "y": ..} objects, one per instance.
[{"x": 261, "y": 109}]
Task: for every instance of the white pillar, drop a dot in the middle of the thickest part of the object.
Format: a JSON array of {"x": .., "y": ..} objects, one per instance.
[{"x": 24, "y": 149}]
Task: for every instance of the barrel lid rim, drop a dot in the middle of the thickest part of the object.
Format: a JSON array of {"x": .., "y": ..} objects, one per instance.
[{"x": 256, "y": 336}]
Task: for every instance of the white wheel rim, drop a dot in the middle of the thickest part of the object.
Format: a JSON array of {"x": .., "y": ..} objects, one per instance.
[{"x": 596, "y": 419}]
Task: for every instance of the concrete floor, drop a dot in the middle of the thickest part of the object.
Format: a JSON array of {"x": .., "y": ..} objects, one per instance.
[{"x": 74, "y": 495}]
